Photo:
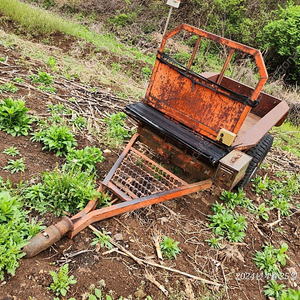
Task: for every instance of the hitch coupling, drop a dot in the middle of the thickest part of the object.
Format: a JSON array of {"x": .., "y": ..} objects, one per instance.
[{"x": 48, "y": 237}]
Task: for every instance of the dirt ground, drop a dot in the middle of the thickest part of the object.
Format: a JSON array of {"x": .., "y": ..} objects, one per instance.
[{"x": 184, "y": 219}]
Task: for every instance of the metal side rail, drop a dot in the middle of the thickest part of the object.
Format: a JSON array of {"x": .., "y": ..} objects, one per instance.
[{"x": 135, "y": 180}]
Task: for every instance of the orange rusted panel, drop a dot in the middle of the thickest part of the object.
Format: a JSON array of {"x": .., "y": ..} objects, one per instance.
[
  {"x": 190, "y": 99},
  {"x": 194, "y": 105}
]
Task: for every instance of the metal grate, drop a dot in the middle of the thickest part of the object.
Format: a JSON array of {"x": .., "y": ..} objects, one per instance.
[{"x": 138, "y": 176}]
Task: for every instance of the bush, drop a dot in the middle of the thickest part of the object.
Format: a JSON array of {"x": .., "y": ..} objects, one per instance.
[
  {"x": 282, "y": 39},
  {"x": 13, "y": 117},
  {"x": 63, "y": 190}
]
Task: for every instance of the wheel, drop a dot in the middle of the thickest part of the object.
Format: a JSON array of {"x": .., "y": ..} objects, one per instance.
[{"x": 258, "y": 154}]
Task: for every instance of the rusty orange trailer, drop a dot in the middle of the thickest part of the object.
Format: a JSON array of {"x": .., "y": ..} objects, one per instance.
[{"x": 208, "y": 124}]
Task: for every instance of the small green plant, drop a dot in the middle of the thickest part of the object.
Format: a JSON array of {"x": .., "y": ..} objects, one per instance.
[
  {"x": 85, "y": 159},
  {"x": 13, "y": 117},
  {"x": 97, "y": 294},
  {"x": 51, "y": 62},
  {"x": 115, "y": 129},
  {"x": 15, "y": 166},
  {"x": 42, "y": 77},
  {"x": 8, "y": 88},
  {"x": 102, "y": 239},
  {"x": 45, "y": 80},
  {"x": 214, "y": 242},
  {"x": 15, "y": 231},
  {"x": 226, "y": 223},
  {"x": 63, "y": 190},
  {"x": 233, "y": 199},
  {"x": 290, "y": 294},
  {"x": 273, "y": 289},
  {"x": 18, "y": 79},
  {"x": 269, "y": 258},
  {"x": 146, "y": 72},
  {"x": 61, "y": 281},
  {"x": 56, "y": 138},
  {"x": 123, "y": 19},
  {"x": 260, "y": 211},
  {"x": 48, "y": 89},
  {"x": 11, "y": 151},
  {"x": 169, "y": 247},
  {"x": 260, "y": 185},
  {"x": 79, "y": 122},
  {"x": 58, "y": 108}
]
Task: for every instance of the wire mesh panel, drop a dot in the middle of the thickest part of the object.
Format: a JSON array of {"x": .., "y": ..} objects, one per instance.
[{"x": 139, "y": 176}]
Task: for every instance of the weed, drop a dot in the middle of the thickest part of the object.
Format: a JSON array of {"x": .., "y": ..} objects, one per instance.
[
  {"x": 61, "y": 281},
  {"x": 11, "y": 151},
  {"x": 18, "y": 79},
  {"x": 85, "y": 159},
  {"x": 169, "y": 247},
  {"x": 63, "y": 190},
  {"x": 13, "y": 117},
  {"x": 48, "y": 89},
  {"x": 260, "y": 185},
  {"x": 8, "y": 88},
  {"x": 273, "y": 289},
  {"x": 79, "y": 122},
  {"x": 233, "y": 199},
  {"x": 15, "y": 166},
  {"x": 15, "y": 231},
  {"x": 225, "y": 223},
  {"x": 115, "y": 129},
  {"x": 290, "y": 294},
  {"x": 260, "y": 211},
  {"x": 217, "y": 207},
  {"x": 214, "y": 242},
  {"x": 282, "y": 204},
  {"x": 267, "y": 259},
  {"x": 56, "y": 138},
  {"x": 287, "y": 138},
  {"x": 51, "y": 62},
  {"x": 42, "y": 77},
  {"x": 146, "y": 72},
  {"x": 123, "y": 19},
  {"x": 102, "y": 239},
  {"x": 58, "y": 108}
]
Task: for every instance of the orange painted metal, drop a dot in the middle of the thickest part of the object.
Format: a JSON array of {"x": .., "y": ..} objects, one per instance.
[
  {"x": 202, "y": 104},
  {"x": 195, "y": 102},
  {"x": 156, "y": 189}
]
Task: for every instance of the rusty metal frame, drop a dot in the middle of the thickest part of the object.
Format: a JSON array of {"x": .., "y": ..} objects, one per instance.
[
  {"x": 229, "y": 43},
  {"x": 89, "y": 214}
]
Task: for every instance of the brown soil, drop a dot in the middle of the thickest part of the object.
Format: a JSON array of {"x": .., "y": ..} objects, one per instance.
[{"x": 184, "y": 219}]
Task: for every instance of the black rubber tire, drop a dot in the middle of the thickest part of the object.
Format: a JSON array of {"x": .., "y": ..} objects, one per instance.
[{"x": 258, "y": 154}]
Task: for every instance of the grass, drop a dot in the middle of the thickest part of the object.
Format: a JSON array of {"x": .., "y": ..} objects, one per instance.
[
  {"x": 46, "y": 22},
  {"x": 287, "y": 137}
]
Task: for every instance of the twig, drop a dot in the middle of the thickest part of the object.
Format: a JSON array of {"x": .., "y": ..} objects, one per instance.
[
  {"x": 270, "y": 225},
  {"x": 142, "y": 262},
  {"x": 139, "y": 261},
  {"x": 259, "y": 231},
  {"x": 225, "y": 282},
  {"x": 156, "y": 239},
  {"x": 151, "y": 278}
]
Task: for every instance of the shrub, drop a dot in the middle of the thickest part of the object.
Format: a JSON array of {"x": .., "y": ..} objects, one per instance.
[
  {"x": 85, "y": 159},
  {"x": 15, "y": 231},
  {"x": 63, "y": 190},
  {"x": 13, "y": 117},
  {"x": 282, "y": 39},
  {"x": 56, "y": 138}
]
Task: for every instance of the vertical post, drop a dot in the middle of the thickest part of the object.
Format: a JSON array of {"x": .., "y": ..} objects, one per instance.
[{"x": 168, "y": 20}]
